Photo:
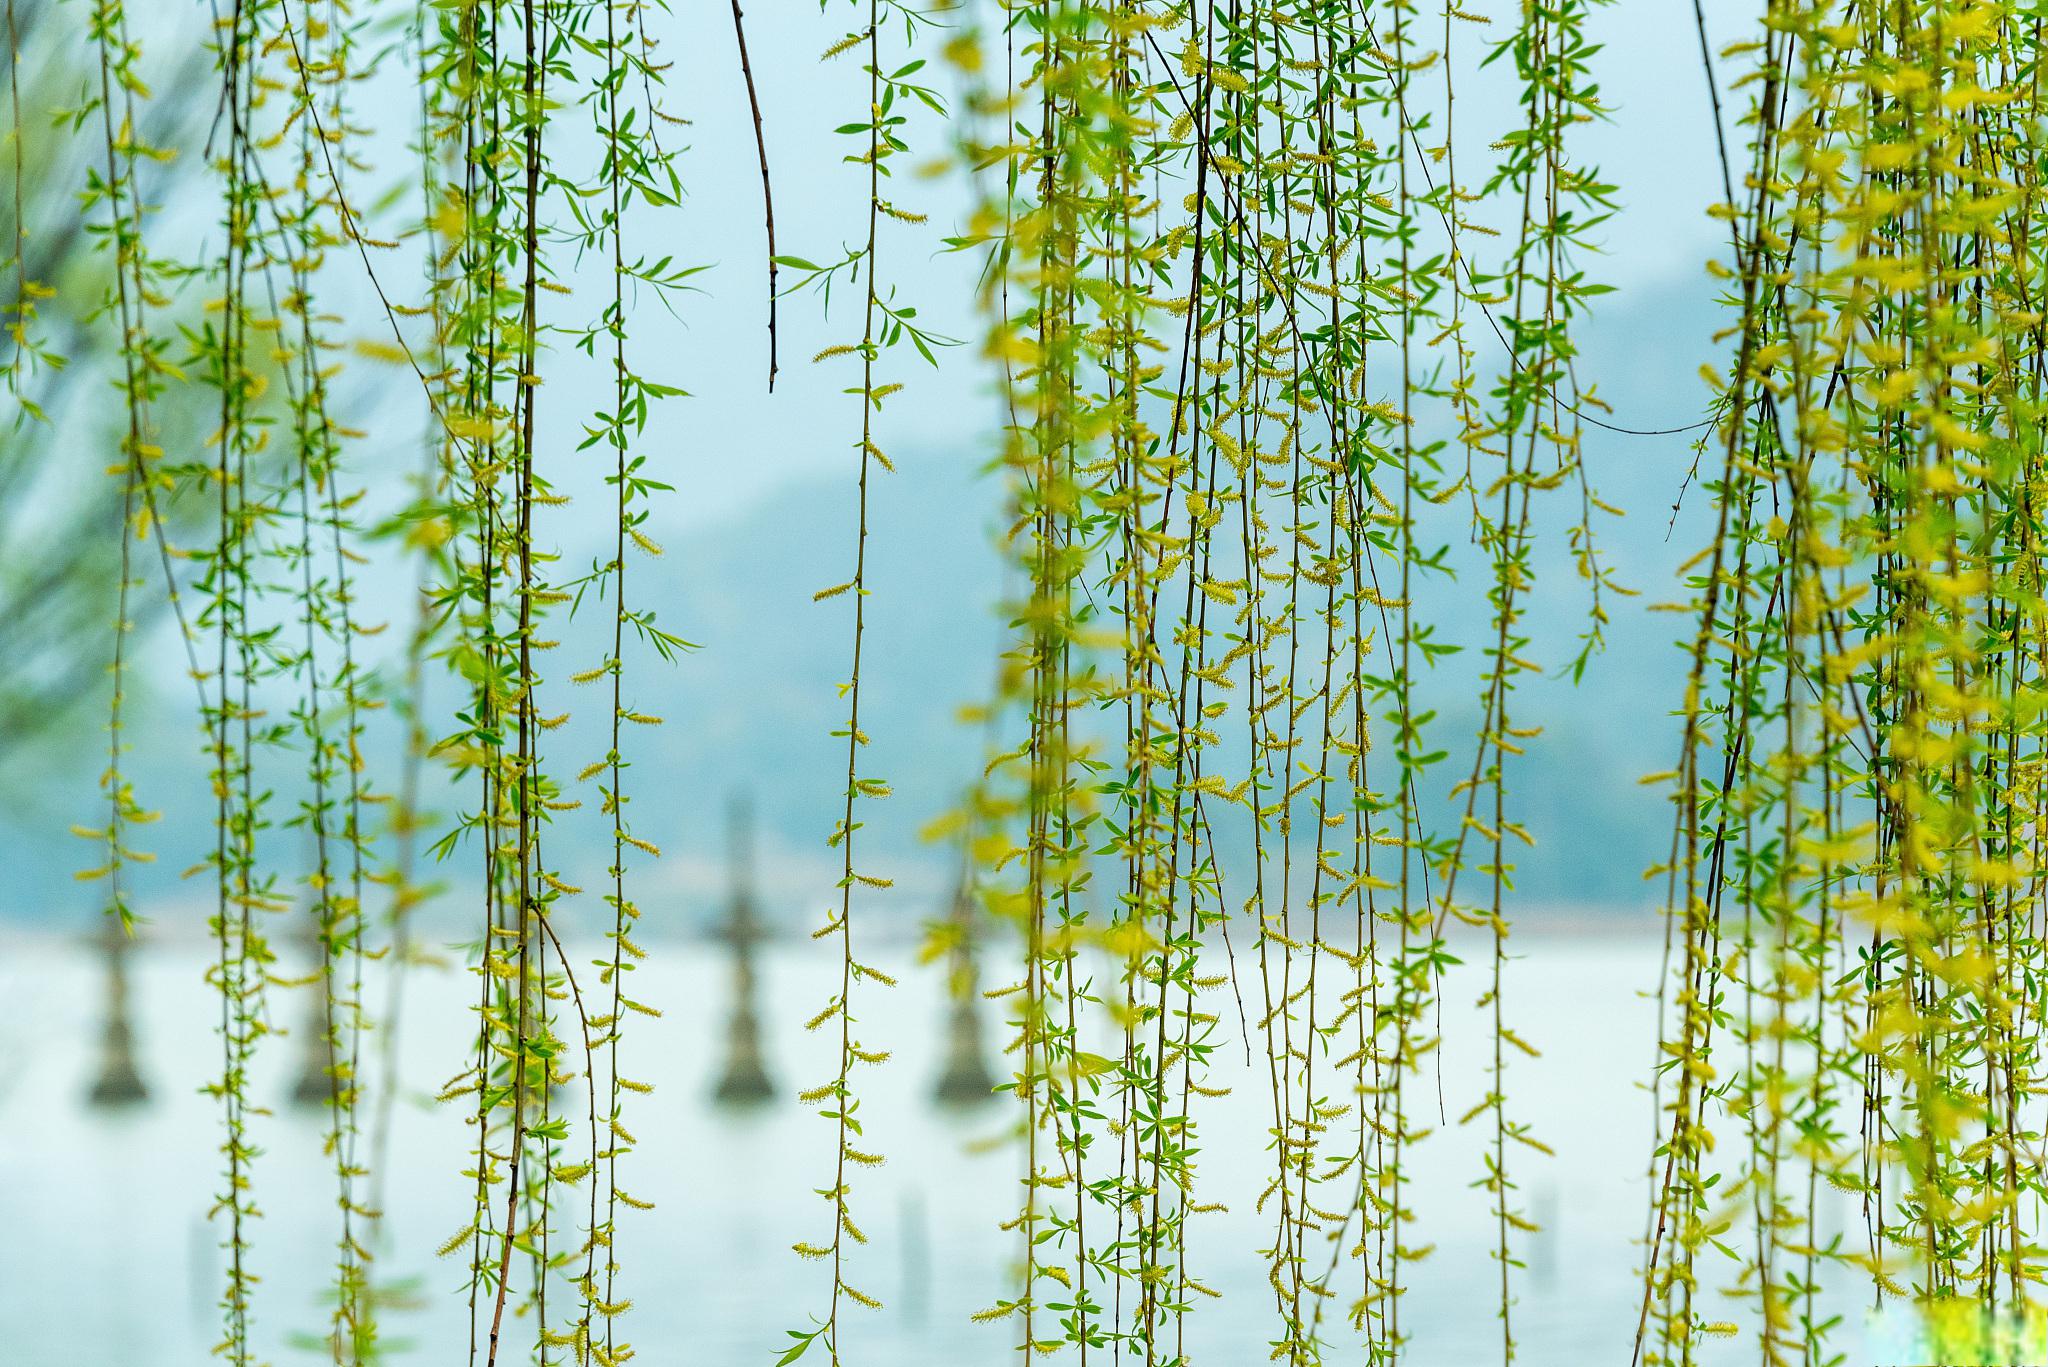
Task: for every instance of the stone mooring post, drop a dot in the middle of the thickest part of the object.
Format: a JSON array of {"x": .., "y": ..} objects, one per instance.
[
  {"x": 744, "y": 1080},
  {"x": 118, "y": 1082},
  {"x": 313, "y": 1084},
  {"x": 964, "y": 1080}
]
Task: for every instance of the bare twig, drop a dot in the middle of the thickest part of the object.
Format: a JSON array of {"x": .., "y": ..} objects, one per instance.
[{"x": 739, "y": 30}]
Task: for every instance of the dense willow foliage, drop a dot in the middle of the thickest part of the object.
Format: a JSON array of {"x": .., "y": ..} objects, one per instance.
[
  {"x": 1289, "y": 376},
  {"x": 1242, "y": 284},
  {"x": 1855, "y": 883}
]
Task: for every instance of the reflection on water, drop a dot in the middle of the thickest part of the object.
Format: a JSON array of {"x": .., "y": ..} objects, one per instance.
[{"x": 111, "y": 1262}]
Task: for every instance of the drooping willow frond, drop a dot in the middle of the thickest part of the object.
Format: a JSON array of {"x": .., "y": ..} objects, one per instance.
[{"x": 1292, "y": 411}]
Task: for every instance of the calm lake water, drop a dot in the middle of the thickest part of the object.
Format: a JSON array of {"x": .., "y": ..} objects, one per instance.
[{"x": 111, "y": 1262}]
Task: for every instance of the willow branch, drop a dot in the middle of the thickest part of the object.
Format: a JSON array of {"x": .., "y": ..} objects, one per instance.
[{"x": 739, "y": 30}]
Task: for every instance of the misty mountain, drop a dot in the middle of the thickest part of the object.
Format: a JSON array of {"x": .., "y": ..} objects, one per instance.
[{"x": 751, "y": 711}]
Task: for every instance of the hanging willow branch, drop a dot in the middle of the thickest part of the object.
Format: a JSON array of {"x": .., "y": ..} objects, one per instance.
[
  {"x": 1251, "y": 790},
  {"x": 739, "y": 33}
]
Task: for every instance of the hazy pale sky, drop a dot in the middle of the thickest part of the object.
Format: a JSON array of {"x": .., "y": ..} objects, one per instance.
[{"x": 1658, "y": 147}]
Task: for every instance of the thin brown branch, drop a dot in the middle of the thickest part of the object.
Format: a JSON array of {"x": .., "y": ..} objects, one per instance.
[{"x": 739, "y": 30}]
